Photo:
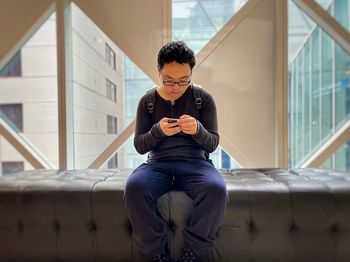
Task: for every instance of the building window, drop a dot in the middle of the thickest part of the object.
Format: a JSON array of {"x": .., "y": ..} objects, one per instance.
[
  {"x": 113, "y": 162},
  {"x": 111, "y": 90},
  {"x": 13, "y": 68},
  {"x": 110, "y": 56},
  {"x": 9, "y": 167},
  {"x": 225, "y": 160},
  {"x": 112, "y": 127},
  {"x": 12, "y": 113}
]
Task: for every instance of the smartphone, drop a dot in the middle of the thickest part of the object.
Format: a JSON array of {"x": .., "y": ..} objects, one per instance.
[{"x": 172, "y": 120}]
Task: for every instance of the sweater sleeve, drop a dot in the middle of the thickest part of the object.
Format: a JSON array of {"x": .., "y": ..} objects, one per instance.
[
  {"x": 207, "y": 135},
  {"x": 147, "y": 135}
]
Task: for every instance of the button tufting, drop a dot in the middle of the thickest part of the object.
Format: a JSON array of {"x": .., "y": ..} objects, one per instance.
[
  {"x": 334, "y": 228},
  {"x": 20, "y": 226},
  {"x": 93, "y": 226},
  {"x": 252, "y": 227},
  {"x": 292, "y": 227},
  {"x": 56, "y": 226}
]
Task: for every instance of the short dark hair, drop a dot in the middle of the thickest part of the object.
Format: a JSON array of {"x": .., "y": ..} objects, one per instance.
[{"x": 176, "y": 51}]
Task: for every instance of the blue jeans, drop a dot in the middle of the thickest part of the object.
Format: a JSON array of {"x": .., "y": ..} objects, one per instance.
[{"x": 200, "y": 180}]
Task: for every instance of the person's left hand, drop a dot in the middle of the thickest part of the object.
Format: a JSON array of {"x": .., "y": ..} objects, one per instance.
[{"x": 188, "y": 124}]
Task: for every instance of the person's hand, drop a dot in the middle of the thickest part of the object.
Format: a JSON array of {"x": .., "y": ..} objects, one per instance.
[
  {"x": 169, "y": 129},
  {"x": 188, "y": 124}
]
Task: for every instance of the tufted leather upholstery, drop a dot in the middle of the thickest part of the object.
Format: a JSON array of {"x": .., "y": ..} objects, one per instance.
[{"x": 272, "y": 215}]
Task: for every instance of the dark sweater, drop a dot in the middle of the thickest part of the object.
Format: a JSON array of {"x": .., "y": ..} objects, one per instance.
[{"x": 181, "y": 146}]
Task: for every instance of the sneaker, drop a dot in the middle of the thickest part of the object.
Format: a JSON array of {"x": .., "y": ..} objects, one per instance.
[{"x": 188, "y": 255}]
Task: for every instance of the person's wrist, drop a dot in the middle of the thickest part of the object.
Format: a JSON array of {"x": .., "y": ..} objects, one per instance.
[
  {"x": 196, "y": 134},
  {"x": 157, "y": 131}
]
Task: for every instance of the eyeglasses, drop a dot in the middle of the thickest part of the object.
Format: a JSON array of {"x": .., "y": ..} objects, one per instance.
[{"x": 179, "y": 83}]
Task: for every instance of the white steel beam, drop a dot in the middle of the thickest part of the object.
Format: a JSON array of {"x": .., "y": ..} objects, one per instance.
[
  {"x": 281, "y": 83},
  {"x": 65, "y": 121}
]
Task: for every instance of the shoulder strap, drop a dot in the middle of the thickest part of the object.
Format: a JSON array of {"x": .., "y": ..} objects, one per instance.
[
  {"x": 150, "y": 100},
  {"x": 197, "y": 94}
]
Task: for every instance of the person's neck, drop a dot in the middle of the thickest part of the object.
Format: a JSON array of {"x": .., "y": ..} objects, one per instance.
[{"x": 164, "y": 96}]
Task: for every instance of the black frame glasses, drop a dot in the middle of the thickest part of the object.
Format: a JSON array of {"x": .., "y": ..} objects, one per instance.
[{"x": 179, "y": 83}]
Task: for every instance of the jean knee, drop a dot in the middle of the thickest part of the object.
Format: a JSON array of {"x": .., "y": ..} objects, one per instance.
[
  {"x": 134, "y": 188},
  {"x": 217, "y": 191}
]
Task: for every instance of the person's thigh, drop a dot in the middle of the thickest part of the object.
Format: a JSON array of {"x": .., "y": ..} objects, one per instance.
[
  {"x": 200, "y": 176},
  {"x": 149, "y": 179}
]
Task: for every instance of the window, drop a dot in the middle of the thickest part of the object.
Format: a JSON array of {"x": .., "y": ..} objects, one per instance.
[
  {"x": 111, "y": 90},
  {"x": 110, "y": 56},
  {"x": 225, "y": 160},
  {"x": 13, "y": 68},
  {"x": 13, "y": 113},
  {"x": 112, "y": 127},
  {"x": 9, "y": 167},
  {"x": 113, "y": 162}
]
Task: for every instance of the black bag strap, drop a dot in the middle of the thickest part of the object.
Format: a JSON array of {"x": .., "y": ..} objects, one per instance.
[
  {"x": 150, "y": 100},
  {"x": 197, "y": 95}
]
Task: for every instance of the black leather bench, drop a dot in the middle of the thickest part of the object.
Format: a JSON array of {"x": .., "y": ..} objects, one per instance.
[{"x": 79, "y": 215}]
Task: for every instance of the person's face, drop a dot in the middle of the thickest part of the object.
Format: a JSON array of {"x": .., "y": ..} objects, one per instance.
[{"x": 175, "y": 78}]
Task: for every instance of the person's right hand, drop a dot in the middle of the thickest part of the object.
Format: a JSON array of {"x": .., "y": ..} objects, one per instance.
[{"x": 169, "y": 129}]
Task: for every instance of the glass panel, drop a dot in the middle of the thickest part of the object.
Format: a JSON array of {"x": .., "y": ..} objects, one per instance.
[
  {"x": 11, "y": 160},
  {"x": 136, "y": 85},
  {"x": 307, "y": 101},
  {"x": 227, "y": 161},
  {"x": 342, "y": 157},
  {"x": 339, "y": 9},
  {"x": 299, "y": 27},
  {"x": 315, "y": 124},
  {"x": 327, "y": 85},
  {"x": 96, "y": 66},
  {"x": 342, "y": 12},
  {"x": 299, "y": 107},
  {"x": 113, "y": 161},
  {"x": 9, "y": 167},
  {"x": 197, "y": 21},
  {"x": 342, "y": 85},
  {"x": 13, "y": 68},
  {"x": 13, "y": 114},
  {"x": 322, "y": 76},
  {"x": 28, "y": 99}
]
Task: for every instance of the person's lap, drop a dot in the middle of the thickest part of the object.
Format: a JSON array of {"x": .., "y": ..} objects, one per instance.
[{"x": 191, "y": 176}]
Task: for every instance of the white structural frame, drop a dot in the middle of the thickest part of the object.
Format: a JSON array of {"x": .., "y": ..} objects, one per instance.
[
  {"x": 65, "y": 119},
  {"x": 281, "y": 83}
]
